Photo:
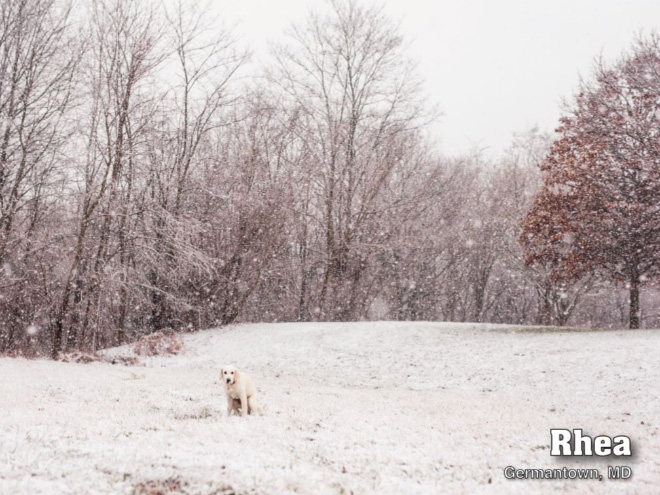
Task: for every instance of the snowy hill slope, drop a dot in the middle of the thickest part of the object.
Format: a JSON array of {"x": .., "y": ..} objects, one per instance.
[{"x": 400, "y": 408}]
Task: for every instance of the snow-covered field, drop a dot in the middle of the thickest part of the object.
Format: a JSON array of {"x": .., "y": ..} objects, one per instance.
[{"x": 386, "y": 408}]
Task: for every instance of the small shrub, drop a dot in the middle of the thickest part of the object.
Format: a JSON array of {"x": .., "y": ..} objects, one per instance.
[
  {"x": 158, "y": 344},
  {"x": 203, "y": 413},
  {"x": 12, "y": 354},
  {"x": 81, "y": 357},
  {"x": 125, "y": 360},
  {"x": 169, "y": 486},
  {"x": 176, "y": 486}
]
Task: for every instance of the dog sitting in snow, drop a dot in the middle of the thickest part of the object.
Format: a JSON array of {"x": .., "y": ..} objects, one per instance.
[{"x": 240, "y": 391}]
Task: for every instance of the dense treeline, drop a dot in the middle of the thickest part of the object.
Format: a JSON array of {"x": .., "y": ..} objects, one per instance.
[{"x": 146, "y": 183}]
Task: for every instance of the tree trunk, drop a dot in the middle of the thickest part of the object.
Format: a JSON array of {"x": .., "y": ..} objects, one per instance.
[
  {"x": 544, "y": 294},
  {"x": 302, "y": 301},
  {"x": 57, "y": 328},
  {"x": 634, "y": 301}
]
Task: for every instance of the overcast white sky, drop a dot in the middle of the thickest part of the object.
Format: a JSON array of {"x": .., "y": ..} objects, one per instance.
[{"x": 493, "y": 66}]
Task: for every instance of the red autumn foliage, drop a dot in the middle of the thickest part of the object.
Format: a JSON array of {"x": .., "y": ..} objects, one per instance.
[{"x": 599, "y": 209}]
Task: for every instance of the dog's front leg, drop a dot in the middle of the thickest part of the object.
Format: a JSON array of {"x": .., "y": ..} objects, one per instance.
[
  {"x": 230, "y": 405},
  {"x": 244, "y": 404}
]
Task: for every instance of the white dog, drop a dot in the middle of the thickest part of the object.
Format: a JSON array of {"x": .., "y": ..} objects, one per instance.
[{"x": 240, "y": 391}]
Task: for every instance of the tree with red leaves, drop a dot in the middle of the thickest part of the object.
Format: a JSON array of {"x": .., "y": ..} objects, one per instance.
[{"x": 599, "y": 209}]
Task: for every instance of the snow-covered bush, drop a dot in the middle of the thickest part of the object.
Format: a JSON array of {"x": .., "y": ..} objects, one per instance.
[{"x": 158, "y": 344}]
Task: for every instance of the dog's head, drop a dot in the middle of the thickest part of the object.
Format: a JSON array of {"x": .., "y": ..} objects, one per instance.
[{"x": 229, "y": 374}]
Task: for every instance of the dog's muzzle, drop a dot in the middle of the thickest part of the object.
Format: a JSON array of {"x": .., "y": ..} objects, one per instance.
[{"x": 228, "y": 380}]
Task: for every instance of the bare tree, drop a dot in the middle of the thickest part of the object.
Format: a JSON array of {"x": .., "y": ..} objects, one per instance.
[
  {"x": 38, "y": 61},
  {"x": 205, "y": 61},
  {"x": 358, "y": 96},
  {"x": 122, "y": 55}
]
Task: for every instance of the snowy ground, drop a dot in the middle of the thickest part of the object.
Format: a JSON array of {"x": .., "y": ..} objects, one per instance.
[{"x": 387, "y": 408}]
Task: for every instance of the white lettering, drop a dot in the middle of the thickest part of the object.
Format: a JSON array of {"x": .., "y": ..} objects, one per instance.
[{"x": 560, "y": 442}]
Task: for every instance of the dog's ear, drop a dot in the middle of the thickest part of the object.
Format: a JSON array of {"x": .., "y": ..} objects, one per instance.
[
  {"x": 221, "y": 373},
  {"x": 235, "y": 376}
]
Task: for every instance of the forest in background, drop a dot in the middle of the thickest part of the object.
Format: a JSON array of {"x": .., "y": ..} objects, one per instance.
[{"x": 153, "y": 179}]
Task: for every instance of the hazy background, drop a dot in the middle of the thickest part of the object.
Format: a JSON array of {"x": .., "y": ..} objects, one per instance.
[{"x": 493, "y": 67}]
